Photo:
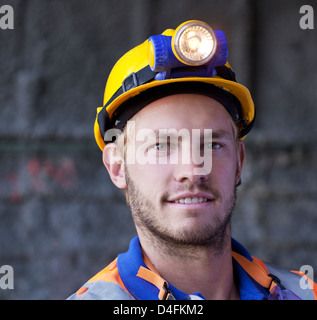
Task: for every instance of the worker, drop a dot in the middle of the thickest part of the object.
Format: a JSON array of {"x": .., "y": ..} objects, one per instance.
[{"x": 171, "y": 131}]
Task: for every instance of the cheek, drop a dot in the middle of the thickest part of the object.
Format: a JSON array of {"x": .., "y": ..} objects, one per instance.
[
  {"x": 151, "y": 179},
  {"x": 224, "y": 170}
]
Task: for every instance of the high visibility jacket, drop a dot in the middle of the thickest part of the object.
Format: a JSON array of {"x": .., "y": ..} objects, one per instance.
[{"x": 131, "y": 276}]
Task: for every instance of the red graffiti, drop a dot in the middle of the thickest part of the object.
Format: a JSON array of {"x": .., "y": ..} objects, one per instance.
[{"x": 42, "y": 176}]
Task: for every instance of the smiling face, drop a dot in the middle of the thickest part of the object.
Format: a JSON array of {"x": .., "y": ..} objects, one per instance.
[{"x": 175, "y": 195}]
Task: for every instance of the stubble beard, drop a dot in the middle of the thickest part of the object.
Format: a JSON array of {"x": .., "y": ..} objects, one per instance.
[{"x": 183, "y": 243}]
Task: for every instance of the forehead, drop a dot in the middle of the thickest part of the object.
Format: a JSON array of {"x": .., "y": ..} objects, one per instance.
[{"x": 184, "y": 111}]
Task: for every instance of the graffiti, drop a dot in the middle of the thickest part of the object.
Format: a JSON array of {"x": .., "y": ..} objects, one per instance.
[{"x": 42, "y": 176}]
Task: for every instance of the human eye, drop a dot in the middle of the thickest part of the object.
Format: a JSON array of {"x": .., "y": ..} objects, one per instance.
[
  {"x": 160, "y": 146},
  {"x": 213, "y": 145}
]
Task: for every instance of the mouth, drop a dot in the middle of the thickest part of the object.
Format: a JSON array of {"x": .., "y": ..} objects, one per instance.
[{"x": 188, "y": 199}]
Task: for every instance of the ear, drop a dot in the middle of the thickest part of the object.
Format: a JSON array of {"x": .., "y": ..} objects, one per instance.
[
  {"x": 114, "y": 163},
  {"x": 240, "y": 161}
]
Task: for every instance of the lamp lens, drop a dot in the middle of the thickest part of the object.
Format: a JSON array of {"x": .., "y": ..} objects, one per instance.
[{"x": 195, "y": 44}]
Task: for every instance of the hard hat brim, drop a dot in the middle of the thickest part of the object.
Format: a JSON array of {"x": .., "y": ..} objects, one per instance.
[{"x": 238, "y": 90}]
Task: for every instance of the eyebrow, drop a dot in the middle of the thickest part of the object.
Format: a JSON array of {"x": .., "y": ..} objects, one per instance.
[
  {"x": 215, "y": 134},
  {"x": 220, "y": 133}
]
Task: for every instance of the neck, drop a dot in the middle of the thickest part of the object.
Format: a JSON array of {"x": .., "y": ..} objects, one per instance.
[{"x": 207, "y": 270}]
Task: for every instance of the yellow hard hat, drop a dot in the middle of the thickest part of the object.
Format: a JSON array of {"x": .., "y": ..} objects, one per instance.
[{"x": 191, "y": 54}]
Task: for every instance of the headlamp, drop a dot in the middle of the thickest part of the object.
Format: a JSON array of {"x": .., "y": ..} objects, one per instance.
[{"x": 192, "y": 44}]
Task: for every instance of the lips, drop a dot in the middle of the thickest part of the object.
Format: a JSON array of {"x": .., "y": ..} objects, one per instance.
[{"x": 191, "y": 198}]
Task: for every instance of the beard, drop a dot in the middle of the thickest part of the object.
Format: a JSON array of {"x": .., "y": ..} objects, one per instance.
[{"x": 183, "y": 242}]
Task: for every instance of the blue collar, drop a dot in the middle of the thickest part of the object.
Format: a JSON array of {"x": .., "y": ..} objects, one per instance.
[{"x": 129, "y": 263}]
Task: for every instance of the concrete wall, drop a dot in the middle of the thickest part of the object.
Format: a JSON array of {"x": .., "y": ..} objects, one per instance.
[{"x": 61, "y": 219}]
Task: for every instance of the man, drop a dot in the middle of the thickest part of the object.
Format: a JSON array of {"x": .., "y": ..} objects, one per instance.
[{"x": 171, "y": 133}]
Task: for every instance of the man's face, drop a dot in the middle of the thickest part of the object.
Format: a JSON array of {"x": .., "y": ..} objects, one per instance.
[{"x": 171, "y": 199}]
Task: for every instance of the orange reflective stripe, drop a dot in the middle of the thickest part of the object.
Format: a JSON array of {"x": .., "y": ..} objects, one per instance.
[
  {"x": 81, "y": 291},
  {"x": 254, "y": 270},
  {"x": 153, "y": 276},
  {"x": 261, "y": 264},
  {"x": 156, "y": 280}
]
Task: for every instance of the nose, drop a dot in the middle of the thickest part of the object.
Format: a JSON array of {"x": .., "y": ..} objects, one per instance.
[
  {"x": 191, "y": 165},
  {"x": 192, "y": 172}
]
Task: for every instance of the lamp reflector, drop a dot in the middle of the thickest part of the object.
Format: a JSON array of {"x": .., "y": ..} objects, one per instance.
[{"x": 195, "y": 43}]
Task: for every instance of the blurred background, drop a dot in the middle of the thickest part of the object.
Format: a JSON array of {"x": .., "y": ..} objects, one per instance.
[{"x": 61, "y": 219}]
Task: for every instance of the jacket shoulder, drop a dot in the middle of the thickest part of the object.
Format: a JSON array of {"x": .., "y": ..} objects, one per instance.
[{"x": 105, "y": 285}]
